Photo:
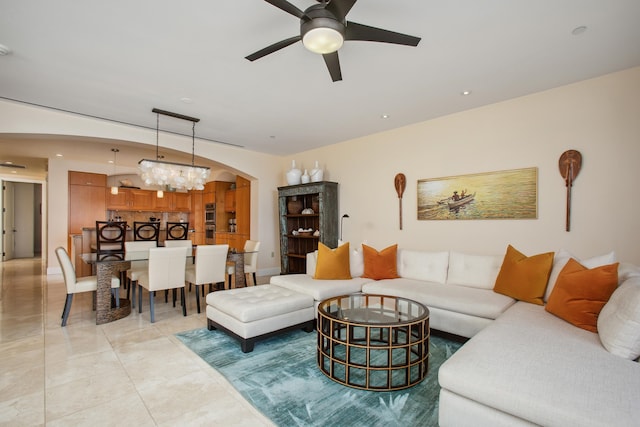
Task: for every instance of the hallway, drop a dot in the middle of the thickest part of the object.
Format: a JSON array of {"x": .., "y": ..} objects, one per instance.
[{"x": 129, "y": 371}]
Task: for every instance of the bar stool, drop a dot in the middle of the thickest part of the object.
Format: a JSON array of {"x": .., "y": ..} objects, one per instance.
[
  {"x": 177, "y": 230},
  {"x": 110, "y": 237},
  {"x": 146, "y": 231}
]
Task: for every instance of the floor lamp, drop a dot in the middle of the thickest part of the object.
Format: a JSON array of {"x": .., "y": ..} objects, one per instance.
[{"x": 342, "y": 219}]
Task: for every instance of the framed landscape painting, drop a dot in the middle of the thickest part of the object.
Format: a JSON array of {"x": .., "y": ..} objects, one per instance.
[{"x": 511, "y": 194}]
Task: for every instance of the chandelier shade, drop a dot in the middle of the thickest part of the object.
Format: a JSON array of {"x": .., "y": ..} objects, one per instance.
[
  {"x": 169, "y": 174},
  {"x": 174, "y": 175}
]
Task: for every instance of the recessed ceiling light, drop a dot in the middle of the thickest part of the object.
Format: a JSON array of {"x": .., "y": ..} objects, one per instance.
[
  {"x": 579, "y": 30},
  {"x": 186, "y": 100},
  {"x": 384, "y": 116},
  {"x": 58, "y": 155},
  {"x": 465, "y": 92},
  {"x": 4, "y": 50}
]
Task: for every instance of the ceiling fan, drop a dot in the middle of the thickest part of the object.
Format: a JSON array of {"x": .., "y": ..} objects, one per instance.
[{"x": 323, "y": 29}]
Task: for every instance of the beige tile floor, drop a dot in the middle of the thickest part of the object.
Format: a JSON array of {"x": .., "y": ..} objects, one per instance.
[{"x": 128, "y": 372}]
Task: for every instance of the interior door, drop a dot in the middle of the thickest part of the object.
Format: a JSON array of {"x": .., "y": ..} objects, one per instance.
[
  {"x": 23, "y": 219},
  {"x": 8, "y": 221}
]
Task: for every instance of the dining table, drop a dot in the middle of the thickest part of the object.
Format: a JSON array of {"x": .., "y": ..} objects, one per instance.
[{"x": 106, "y": 266}]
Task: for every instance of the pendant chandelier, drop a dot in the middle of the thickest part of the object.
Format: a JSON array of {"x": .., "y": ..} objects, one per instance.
[{"x": 174, "y": 175}]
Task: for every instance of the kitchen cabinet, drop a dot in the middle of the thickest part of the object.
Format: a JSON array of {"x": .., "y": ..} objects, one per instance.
[
  {"x": 173, "y": 202},
  {"x": 86, "y": 200},
  {"x": 243, "y": 210},
  {"x": 86, "y": 206},
  {"x": 322, "y": 197},
  {"x": 132, "y": 199},
  {"x": 209, "y": 193},
  {"x": 230, "y": 200},
  {"x": 196, "y": 217}
]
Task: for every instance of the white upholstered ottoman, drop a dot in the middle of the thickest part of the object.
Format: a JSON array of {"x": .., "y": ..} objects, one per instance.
[{"x": 258, "y": 312}]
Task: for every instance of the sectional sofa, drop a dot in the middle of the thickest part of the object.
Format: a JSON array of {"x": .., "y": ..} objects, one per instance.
[{"x": 522, "y": 365}]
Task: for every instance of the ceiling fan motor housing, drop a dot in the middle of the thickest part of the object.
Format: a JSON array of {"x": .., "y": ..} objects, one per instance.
[{"x": 317, "y": 16}]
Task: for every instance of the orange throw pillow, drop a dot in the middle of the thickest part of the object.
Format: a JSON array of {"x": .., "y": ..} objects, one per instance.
[
  {"x": 580, "y": 293},
  {"x": 333, "y": 264},
  {"x": 380, "y": 265},
  {"x": 524, "y": 278}
]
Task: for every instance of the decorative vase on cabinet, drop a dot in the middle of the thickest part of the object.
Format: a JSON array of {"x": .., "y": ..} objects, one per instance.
[
  {"x": 294, "y": 175},
  {"x": 316, "y": 173},
  {"x": 322, "y": 197}
]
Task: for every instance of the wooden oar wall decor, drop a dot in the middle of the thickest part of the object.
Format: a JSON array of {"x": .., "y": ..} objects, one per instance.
[
  {"x": 400, "y": 181},
  {"x": 569, "y": 164}
]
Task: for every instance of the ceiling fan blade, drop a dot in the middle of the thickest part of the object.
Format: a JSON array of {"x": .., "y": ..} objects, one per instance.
[
  {"x": 287, "y": 7},
  {"x": 340, "y": 8},
  {"x": 356, "y": 31},
  {"x": 273, "y": 48},
  {"x": 333, "y": 64}
]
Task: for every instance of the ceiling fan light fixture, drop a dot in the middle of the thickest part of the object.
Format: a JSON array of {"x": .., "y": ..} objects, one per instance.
[{"x": 323, "y": 40}]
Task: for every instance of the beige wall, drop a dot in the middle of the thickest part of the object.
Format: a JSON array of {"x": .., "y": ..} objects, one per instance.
[{"x": 598, "y": 117}]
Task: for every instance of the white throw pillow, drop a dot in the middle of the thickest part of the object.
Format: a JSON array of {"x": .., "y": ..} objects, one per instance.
[
  {"x": 619, "y": 321},
  {"x": 356, "y": 259},
  {"x": 561, "y": 258},
  {"x": 312, "y": 260},
  {"x": 420, "y": 265},
  {"x": 476, "y": 271}
]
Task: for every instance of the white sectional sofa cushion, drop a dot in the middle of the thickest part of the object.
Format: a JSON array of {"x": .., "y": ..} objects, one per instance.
[
  {"x": 477, "y": 271},
  {"x": 421, "y": 265},
  {"x": 619, "y": 321},
  {"x": 319, "y": 289},
  {"x": 459, "y": 299},
  {"x": 541, "y": 370}
]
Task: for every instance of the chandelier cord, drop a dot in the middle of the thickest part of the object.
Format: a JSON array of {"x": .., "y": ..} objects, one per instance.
[
  {"x": 157, "y": 135},
  {"x": 193, "y": 144}
]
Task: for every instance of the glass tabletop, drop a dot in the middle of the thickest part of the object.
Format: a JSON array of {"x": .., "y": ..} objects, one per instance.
[{"x": 373, "y": 309}]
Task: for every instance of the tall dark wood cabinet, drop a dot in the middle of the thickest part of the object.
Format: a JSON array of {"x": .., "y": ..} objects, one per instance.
[{"x": 322, "y": 197}]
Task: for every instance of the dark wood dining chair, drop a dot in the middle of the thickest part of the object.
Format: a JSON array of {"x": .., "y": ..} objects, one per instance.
[
  {"x": 146, "y": 231},
  {"x": 177, "y": 230},
  {"x": 110, "y": 237}
]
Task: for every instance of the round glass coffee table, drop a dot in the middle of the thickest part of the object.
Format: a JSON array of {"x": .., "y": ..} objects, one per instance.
[{"x": 373, "y": 342}]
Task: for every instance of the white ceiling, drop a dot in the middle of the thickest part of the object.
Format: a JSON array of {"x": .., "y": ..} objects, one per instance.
[{"x": 118, "y": 59}]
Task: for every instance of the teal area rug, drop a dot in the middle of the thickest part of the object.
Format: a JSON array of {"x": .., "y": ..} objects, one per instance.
[{"x": 280, "y": 378}]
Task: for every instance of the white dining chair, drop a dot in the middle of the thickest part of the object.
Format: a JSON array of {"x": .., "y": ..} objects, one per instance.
[
  {"x": 166, "y": 270},
  {"x": 209, "y": 268},
  {"x": 138, "y": 253},
  {"x": 251, "y": 247},
  {"x": 180, "y": 244},
  {"x": 76, "y": 285}
]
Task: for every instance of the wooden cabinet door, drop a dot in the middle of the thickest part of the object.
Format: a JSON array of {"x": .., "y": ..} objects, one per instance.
[
  {"x": 118, "y": 201},
  {"x": 86, "y": 206},
  {"x": 230, "y": 201},
  {"x": 165, "y": 203},
  {"x": 243, "y": 210},
  {"x": 181, "y": 202},
  {"x": 222, "y": 238},
  {"x": 87, "y": 178},
  {"x": 209, "y": 197},
  {"x": 141, "y": 200}
]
